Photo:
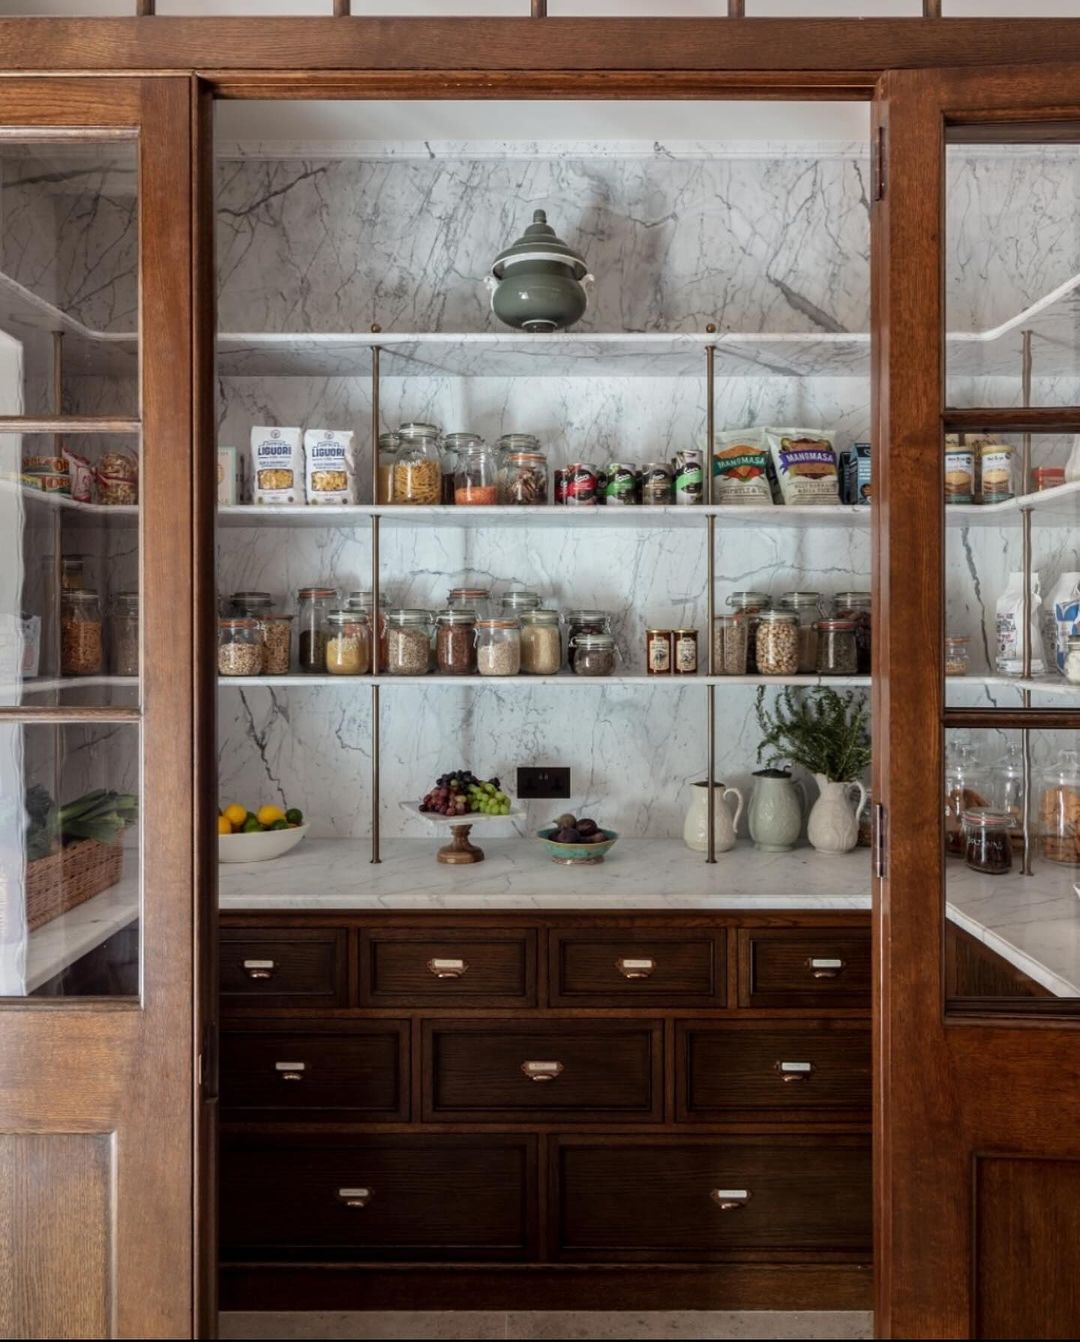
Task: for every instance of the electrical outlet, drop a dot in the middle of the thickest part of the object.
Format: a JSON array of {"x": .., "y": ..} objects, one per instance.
[{"x": 546, "y": 781}]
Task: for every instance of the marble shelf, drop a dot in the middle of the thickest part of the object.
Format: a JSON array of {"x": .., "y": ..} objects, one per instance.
[
  {"x": 301, "y": 680},
  {"x": 13, "y": 692},
  {"x": 123, "y": 514}
]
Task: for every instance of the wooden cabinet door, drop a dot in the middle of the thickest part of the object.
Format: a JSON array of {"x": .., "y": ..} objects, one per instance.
[
  {"x": 977, "y": 1094},
  {"x": 101, "y": 992}
]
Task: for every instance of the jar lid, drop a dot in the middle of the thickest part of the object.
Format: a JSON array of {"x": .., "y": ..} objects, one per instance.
[
  {"x": 1073, "y": 642},
  {"x": 519, "y": 597},
  {"x": 995, "y": 447},
  {"x": 462, "y": 440},
  {"x": 126, "y": 599},
  {"x": 744, "y": 599},
  {"x": 676, "y": 632},
  {"x": 521, "y": 442},
  {"x": 417, "y": 428},
  {"x": 540, "y": 615},
  {"x": 346, "y": 616},
  {"x": 659, "y": 629},
  {"x": 528, "y": 458},
  {"x": 775, "y": 616},
  {"x": 389, "y": 439},
  {"x": 315, "y": 593},
  {"x": 657, "y": 466},
  {"x": 409, "y": 615},
  {"x": 77, "y": 561},
  {"x": 594, "y": 642},
  {"x": 853, "y": 598},
  {"x": 457, "y": 615},
  {"x": 800, "y": 598},
  {"x": 252, "y": 599},
  {"x": 589, "y": 615},
  {"x": 985, "y": 817},
  {"x": 238, "y": 622},
  {"x": 363, "y": 599},
  {"x": 81, "y": 595},
  {"x": 832, "y": 626},
  {"x": 273, "y": 615},
  {"x": 954, "y": 639},
  {"x": 1048, "y": 472},
  {"x": 539, "y": 242},
  {"x": 495, "y": 623}
]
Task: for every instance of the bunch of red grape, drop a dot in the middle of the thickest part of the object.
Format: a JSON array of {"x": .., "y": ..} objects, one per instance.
[{"x": 462, "y": 793}]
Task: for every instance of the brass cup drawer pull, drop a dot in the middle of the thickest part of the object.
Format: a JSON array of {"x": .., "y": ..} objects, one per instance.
[
  {"x": 824, "y": 967},
  {"x": 542, "y": 1071},
  {"x": 639, "y": 968},
  {"x": 794, "y": 1071},
  {"x": 730, "y": 1199},
  {"x": 259, "y": 969},
  {"x": 290, "y": 1071},
  {"x": 355, "y": 1197},
  {"x": 445, "y": 968}
]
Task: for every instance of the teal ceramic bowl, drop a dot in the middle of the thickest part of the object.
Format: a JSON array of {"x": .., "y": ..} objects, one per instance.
[{"x": 576, "y": 854}]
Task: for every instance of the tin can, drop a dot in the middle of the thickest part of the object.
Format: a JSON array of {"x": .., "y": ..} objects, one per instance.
[
  {"x": 996, "y": 472},
  {"x": 621, "y": 486},
  {"x": 1047, "y": 477},
  {"x": 580, "y": 485},
  {"x": 959, "y": 475},
  {"x": 657, "y": 483},
  {"x": 689, "y": 476},
  {"x": 658, "y": 652},
  {"x": 558, "y": 484},
  {"x": 601, "y": 483},
  {"x": 684, "y": 652}
]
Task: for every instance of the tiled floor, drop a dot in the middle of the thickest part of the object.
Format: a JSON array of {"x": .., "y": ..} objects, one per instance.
[{"x": 685, "y": 1324}]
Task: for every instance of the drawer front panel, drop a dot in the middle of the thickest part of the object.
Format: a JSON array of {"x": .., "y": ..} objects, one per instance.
[
  {"x": 379, "y": 1197},
  {"x": 330, "y": 1070},
  {"x": 282, "y": 967},
  {"x": 504, "y": 1071},
  {"x": 816, "y": 969},
  {"x": 715, "y": 1198},
  {"x": 801, "y": 1068},
  {"x": 434, "y": 967},
  {"x": 618, "y": 968}
]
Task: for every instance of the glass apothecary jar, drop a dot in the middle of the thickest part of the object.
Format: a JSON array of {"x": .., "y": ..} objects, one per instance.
[
  {"x": 313, "y": 605},
  {"x": 240, "y": 651},
  {"x": 585, "y": 621},
  {"x": 476, "y": 482},
  {"x": 81, "y": 640},
  {"x": 1007, "y": 791},
  {"x": 730, "y": 644},
  {"x": 251, "y": 605},
  {"x": 858, "y": 606},
  {"x": 987, "y": 841},
  {"x": 498, "y": 647},
  {"x": 777, "y": 643},
  {"x": 957, "y": 655},
  {"x": 408, "y": 641},
  {"x": 277, "y": 643},
  {"x": 837, "y": 649},
  {"x": 348, "y": 642},
  {"x": 514, "y": 603},
  {"x": 592, "y": 655},
  {"x": 476, "y": 599},
  {"x": 364, "y": 600},
  {"x": 967, "y": 787},
  {"x": 541, "y": 642},
  {"x": 454, "y": 447},
  {"x": 747, "y": 606},
  {"x": 455, "y": 641},
  {"x": 1059, "y": 810},
  {"x": 523, "y": 479},
  {"x": 516, "y": 442},
  {"x": 388, "y": 446},
  {"x": 418, "y": 472},
  {"x": 124, "y": 634},
  {"x": 807, "y": 609}
]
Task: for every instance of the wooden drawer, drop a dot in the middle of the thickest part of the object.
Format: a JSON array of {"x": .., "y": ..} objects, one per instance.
[
  {"x": 712, "y": 1198},
  {"x": 400, "y": 1197},
  {"x": 352, "y": 1071},
  {"x": 283, "y": 967},
  {"x": 517, "y": 1071},
  {"x": 782, "y": 967},
  {"x": 797, "y": 1069},
  {"x": 605, "y": 967},
  {"x": 426, "y": 967}
]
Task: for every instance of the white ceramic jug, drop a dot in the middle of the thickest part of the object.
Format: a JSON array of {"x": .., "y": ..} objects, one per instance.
[
  {"x": 775, "y": 810},
  {"x": 696, "y": 828},
  {"x": 833, "y": 826}
]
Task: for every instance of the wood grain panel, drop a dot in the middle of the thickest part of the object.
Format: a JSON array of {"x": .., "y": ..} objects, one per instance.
[
  {"x": 589, "y": 967},
  {"x": 276, "y": 968},
  {"x": 804, "y": 968},
  {"x": 55, "y": 1241},
  {"x": 401, "y": 967}
]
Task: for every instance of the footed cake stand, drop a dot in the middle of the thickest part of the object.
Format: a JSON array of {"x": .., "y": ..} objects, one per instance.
[{"x": 459, "y": 851}]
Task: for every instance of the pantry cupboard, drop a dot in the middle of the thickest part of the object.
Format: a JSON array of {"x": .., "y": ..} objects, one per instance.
[{"x": 647, "y": 1084}]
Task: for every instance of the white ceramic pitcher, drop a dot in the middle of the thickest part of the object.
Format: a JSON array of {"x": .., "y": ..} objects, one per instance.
[
  {"x": 833, "y": 826},
  {"x": 696, "y": 828}
]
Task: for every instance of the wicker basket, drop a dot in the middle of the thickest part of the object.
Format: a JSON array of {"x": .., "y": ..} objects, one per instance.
[{"x": 66, "y": 879}]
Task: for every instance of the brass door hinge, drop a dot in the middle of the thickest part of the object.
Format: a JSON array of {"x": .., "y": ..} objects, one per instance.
[
  {"x": 877, "y": 165},
  {"x": 880, "y": 838}
]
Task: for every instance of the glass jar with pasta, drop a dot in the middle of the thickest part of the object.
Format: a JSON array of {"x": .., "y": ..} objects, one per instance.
[{"x": 417, "y": 466}]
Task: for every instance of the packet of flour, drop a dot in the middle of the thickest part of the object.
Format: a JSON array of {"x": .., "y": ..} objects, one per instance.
[
  {"x": 1011, "y": 634},
  {"x": 330, "y": 466},
  {"x": 277, "y": 465},
  {"x": 741, "y": 467},
  {"x": 805, "y": 465}
]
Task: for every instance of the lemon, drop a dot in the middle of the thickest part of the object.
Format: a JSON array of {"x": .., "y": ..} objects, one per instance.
[
  {"x": 266, "y": 815},
  {"x": 235, "y": 815},
  {"x": 224, "y": 824}
]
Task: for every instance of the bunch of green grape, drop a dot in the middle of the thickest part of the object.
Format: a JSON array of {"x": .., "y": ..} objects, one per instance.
[{"x": 488, "y": 798}]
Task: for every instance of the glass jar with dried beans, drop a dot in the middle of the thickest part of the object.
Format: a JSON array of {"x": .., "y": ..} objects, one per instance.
[
  {"x": 240, "y": 650},
  {"x": 498, "y": 647},
  {"x": 418, "y": 466},
  {"x": 1059, "y": 810},
  {"x": 408, "y": 641},
  {"x": 593, "y": 655},
  {"x": 747, "y": 606},
  {"x": 729, "y": 645},
  {"x": 585, "y": 621},
  {"x": 541, "y": 642},
  {"x": 857, "y": 606},
  {"x": 313, "y": 604},
  {"x": 523, "y": 479},
  {"x": 277, "y": 643},
  {"x": 124, "y": 634},
  {"x": 81, "y": 642},
  {"x": 363, "y": 600},
  {"x": 777, "y": 643},
  {"x": 837, "y": 654},
  {"x": 348, "y": 643},
  {"x": 987, "y": 845},
  {"x": 455, "y": 641},
  {"x": 807, "y": 609}
]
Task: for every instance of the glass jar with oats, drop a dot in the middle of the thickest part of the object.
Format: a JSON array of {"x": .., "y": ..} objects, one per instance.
[{"x": 408, "y": 641}]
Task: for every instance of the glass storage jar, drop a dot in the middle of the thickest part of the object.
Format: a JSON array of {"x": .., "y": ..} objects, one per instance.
[
  {"x": 1059, "y": 810},
  {"x": 837, "y": 649},
  {"x": 523, "y": 479},
  {"x": 277, "y": 644},
  {"x": 348, "y": 642},
  {"x": 251, "y": 605},
  {"x": 857, "y": 606},
  {"x": 476, "y": 599},
  {"x": 541, "y": 642},
  {"x": 240, "y": 650},
  {"x": 72, "y": 573},
  {"x": 408, "y": 641},
  {"x": 592, "y": 655},
  {"x": 418, "y": 471},
  {"x": 313, "y": 603},
  {"x": 957, "y": 656},
  {"x": 455, "y": 641},
  {"x": 498, "y": 647},
  {"x": 1007, "y": 791},
  {"x": 388, "y": 446},
  {"x": 967, "y": 787},
  {"x": 362, "y": 600},
  {"x": 987, "y": 842},
  {"x": 748, "y": 606},
  {"x": 729, "y": 645},
  {"x": 585, "y": 621},
  {"x": 516, "y": 442},
  {"x": 124, "y": 634},
  {"x": 777, "y": 644},
  {"x": 807, "y": 609},
  {"x": 476, "y": 476},
  {"x": 514, "y": 603},
  {"x": 81, "y": 641}
]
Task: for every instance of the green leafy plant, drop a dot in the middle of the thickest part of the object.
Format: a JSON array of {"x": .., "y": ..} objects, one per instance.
[
  {"x": 100, "y": 815},
  {"x": 824, "y": 732}
]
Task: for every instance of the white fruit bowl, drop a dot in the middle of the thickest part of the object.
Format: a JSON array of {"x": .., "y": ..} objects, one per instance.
[{"x": 260, "y": 846}]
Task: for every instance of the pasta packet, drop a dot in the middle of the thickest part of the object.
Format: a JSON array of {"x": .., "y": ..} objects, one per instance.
[{"x": 330, "y": 466}]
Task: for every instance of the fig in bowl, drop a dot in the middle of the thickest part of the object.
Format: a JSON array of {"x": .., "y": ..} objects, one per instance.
[{"x": 574, "y": 842}]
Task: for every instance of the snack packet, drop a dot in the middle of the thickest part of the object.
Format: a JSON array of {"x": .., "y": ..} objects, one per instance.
[
  {"x": 740, "y": 467},
  {"x": 805, "y": 465}
]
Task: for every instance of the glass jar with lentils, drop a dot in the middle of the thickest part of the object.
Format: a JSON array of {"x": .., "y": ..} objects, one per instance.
[{"x": 455, "y": 641}]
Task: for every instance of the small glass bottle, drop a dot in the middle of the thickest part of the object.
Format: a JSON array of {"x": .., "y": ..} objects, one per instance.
[
  {"x": 124, "y": 634},
  {"x": 314, "y": 603},
  {"x": 858, "y": 606},
  {"x": 541, "y": 642},
  {"x": 837, "y": 649},
  {"x": 240, "y": 651},
  {"x": 388, "y": 446},
  {"x": 81, "y": 642},
  {"x": 512, "y": 604},
  {"x": 498, "y": 647},
  {"x": 592, "y": 655},
  {"x": 987, "y": 842},
  {"x": 455, "y": 641},
  {"x": 806, "y": 607},
  {"x": 476, "y": 477},
  {"x": 417, "y": 477},
  {"x": 408, "y": 641},
  {"x": 957, "y": 655},
  {"x": 748, "y": 606},
  {"x": 777, "y": 644},
  {"x": 348, "y": 643}
]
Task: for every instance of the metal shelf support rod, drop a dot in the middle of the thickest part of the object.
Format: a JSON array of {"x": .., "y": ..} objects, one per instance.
[{"x": 1025, "y": 524}]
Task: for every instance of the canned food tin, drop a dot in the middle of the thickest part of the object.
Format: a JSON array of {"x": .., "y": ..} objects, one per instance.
[
  {"x": 657, "y": 483},
  {"x": 558, "y": 484},
  {"x": 689, "y": 477},
  {"x": 601, "y": 483},
  {"x": 959, "y": 475},
  {"x": 581, "y": 485},
  {"x": 658, "y": 652},
  {"x": 621, "y": 487}
]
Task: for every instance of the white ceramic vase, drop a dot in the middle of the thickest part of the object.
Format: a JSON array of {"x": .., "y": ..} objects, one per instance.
[
  {"x": 833, "y": 826},
  {"x": 696, "y": 828}
]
